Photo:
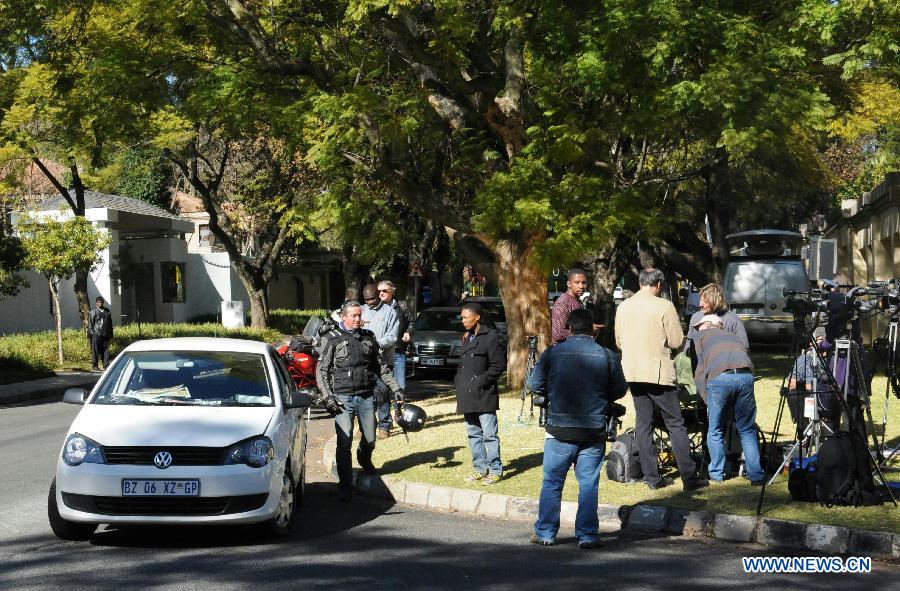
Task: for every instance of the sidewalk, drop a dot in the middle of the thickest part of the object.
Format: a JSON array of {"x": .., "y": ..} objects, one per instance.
[
  {"x": 773, "y": 533},
  {"x": 47, "y": 387}
]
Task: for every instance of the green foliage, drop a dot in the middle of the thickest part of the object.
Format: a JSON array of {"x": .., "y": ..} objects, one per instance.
[
  {"x": 59, "y": 248},
  {"x": 37, "y": 351},
  {"x": 12, "y": 256},
  {"x": 142, "y": 174},
  {"x": 291, "y": 322}
]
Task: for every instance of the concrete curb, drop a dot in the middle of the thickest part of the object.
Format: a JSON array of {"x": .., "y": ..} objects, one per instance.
[{"x": 772, "y": 533}]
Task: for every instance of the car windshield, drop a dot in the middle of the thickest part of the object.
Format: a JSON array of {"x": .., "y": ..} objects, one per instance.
[
  {"x": 187, "y": 378},
  {"x": 439, "y": 320}
]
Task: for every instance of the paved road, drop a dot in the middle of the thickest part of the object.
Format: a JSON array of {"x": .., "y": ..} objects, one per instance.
[{"x": 336, "y": 545}]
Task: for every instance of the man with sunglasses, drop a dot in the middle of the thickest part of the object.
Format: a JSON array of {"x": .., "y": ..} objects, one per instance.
[{"x": 381, "y": 317}]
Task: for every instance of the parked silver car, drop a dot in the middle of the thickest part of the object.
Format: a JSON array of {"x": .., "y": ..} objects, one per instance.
[{"x": 436, "y": 339}]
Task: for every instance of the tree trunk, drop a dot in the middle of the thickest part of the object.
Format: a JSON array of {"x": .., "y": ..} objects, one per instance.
[
  {"x": 257, "y": 291},
  {"x": 355, "y": 274},
  {"x": 54, "y": 291},
  {"x": 718, "y": 195},
  {"x": 523, "y": 287},
  {"x": 608, "y": 267},
  {"x": 81, "y": 296}
]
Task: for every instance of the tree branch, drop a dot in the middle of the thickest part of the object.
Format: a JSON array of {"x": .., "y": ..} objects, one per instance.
[{"x": 55, "y": 182}]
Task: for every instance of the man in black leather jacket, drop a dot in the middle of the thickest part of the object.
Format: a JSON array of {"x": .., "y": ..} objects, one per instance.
[{"x": 350, "y": 363}]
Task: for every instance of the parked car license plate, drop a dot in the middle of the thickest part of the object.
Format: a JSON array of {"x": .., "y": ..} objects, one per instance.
[
  {"x": 426, "y": 361},
  {"x": 160, "y": 488}
]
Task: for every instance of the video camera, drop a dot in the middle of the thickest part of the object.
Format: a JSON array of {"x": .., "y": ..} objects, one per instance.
[{"x": 613, "y": 419}]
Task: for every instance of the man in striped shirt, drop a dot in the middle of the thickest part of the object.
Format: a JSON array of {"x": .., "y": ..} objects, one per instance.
[
  {"x": 724, "y": 375},
  {"x": 576, "y": 284}
]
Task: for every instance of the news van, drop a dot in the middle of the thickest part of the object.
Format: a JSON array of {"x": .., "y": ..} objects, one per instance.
[{"x": 761, "y": 264}]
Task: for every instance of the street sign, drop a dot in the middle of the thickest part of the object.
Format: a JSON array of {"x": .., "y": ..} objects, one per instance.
[{"x": 414, "y": 271}]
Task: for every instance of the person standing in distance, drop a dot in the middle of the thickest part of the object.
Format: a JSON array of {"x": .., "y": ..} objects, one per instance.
[
  {"x": 100, "y": 331},
  {"x": 580, "y": 380},
  {"x": 576, "y": 284},
  {"x": 481, "y": 362},
  {"x": 348, "y": 368},
  {"x": 380, "y": 316},
  {"x": 648, "y": 331}
]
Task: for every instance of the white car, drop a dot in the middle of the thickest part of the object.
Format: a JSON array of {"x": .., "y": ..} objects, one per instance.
[{"x": 183, "y": 431}]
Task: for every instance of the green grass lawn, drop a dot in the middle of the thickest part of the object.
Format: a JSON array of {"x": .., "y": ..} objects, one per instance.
[{"x": 439, "y": 455}]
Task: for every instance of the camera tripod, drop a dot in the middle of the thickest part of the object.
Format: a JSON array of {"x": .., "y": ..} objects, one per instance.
[
  {"x": 810, "y": 437},
  {"x": 530, "y": 362},
  {"x": 846, "y": 363},
  {"x": 893, "y": 383}
]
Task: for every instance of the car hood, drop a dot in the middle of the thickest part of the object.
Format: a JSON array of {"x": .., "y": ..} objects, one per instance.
[
  {"x": 444, "y": 337},
  {"x": 171, "y": 425}
]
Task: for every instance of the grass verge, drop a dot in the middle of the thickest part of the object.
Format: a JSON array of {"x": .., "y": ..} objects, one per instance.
[
  {"x": 439, "y": 455},
  {"x": 34, "y": 355}
]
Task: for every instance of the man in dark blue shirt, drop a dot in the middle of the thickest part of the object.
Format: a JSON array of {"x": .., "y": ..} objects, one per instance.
[{"x": 580, "y": 380}]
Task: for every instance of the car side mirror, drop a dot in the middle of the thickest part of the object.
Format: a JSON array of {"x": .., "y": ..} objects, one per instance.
[
  {"x": 75, "y": 396},
  {"x": 299, "y": 399}
]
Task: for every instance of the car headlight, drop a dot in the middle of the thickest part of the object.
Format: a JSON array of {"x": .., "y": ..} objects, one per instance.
[
  {"x": 255, "y": 452},
  {"x": 79, "y": 449}
]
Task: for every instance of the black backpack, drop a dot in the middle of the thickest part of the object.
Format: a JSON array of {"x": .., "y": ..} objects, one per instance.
[
  {"x": 844, "y": 476},
  {"x": 802, "y": 483},
  {"x": 622, "y": 463}
]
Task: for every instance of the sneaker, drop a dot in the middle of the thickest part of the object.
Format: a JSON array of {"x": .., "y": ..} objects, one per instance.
[
  {"x": 661, "y": 483},
  {"x": 542, "y": 541},
  {"x": 475, "y": 477},
  {"x": 695, "y": 484},
  {"x": 490, "y": 479},
  {"x": 589, "y": 544},
  {"x": 383, "y": 434}
]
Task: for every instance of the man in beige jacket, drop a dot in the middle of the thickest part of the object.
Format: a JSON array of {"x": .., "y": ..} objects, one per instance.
[{"x": 648, "y": 331}]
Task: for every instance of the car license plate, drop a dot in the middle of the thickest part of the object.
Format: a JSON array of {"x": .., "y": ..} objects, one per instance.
[
  {"x": 160, "y": 488},
  {"x": 424, "y": 361}
]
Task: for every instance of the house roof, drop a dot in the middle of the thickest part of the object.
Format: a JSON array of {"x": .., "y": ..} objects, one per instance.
[{"x": 95, "y": 200}]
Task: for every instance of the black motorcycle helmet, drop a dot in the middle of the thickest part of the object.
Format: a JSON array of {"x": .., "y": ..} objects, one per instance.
[{"x": 412, "y": 418}]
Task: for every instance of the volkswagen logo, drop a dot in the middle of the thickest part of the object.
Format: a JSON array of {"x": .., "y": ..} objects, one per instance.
[{"x": 162, "y": 460}]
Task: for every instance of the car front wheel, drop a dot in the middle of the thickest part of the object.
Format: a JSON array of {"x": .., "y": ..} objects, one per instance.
[
  {"x": 283, "y": 520},
  {"x": 64, "y": 529}
]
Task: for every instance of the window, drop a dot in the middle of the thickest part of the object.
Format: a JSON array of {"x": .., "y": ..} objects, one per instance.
[
  {"x": 172, "y": 275},
  {"x": 205, "y": 235}
]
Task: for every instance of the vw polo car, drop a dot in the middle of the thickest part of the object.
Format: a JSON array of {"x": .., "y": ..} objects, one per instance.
[{"x": 183, "y": 431}]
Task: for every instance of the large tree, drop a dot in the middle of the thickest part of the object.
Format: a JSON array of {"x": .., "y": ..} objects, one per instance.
[{"x": 62, "y": 97}]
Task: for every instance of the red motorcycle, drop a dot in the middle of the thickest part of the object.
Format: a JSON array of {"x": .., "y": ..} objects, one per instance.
[{"x": 300, "y": 357}]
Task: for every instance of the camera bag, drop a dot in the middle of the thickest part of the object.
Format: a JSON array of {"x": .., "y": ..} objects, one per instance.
[
  {"x": 802, "y": 482},
  {"x": 622, "y": 463},
  {"x": 844, "y": 475}
]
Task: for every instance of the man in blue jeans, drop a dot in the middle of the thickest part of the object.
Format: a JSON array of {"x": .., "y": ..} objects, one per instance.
[
  {"x": 348, "y": 369},
  {"x": 579, "y": 380},
  {"x": 724, "y": 375}
]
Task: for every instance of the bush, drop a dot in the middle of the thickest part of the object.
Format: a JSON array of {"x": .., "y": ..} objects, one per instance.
[
  {"x": 292, "y": 321},
  {"x": 37, "y": 351}
]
